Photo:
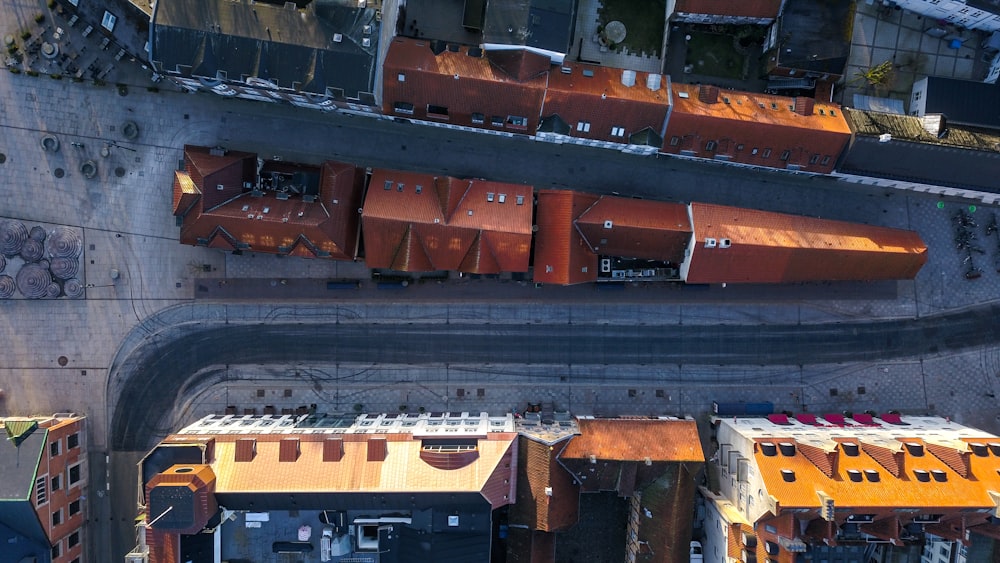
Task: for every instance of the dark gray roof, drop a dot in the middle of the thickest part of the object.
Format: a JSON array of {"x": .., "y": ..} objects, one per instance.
[
  {"x": 290, "y": 46},
  {"x": 18, "y": 464},
  {"x": 964, "y": 101},
  {"x": 20, "y": 547},
  {"x": 554, "y": 124},
  {"x": 992, "y": 6},
  {"x": 911, "y": 128},
  {"x": 925, "y": 163},
  {"x": 417, "y": 546},
  {"x": 815, "y": 36},
  {"x": 543, "y": 24}
]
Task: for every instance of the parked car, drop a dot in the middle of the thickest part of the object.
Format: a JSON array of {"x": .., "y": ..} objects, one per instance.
[{"x": 696, "y": 554}]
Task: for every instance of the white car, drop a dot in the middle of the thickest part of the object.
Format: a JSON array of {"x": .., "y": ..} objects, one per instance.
[{"x": 696, "y": 554}]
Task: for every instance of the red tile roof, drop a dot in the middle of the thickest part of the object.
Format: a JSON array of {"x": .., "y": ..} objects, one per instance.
[
  {"x": 632, "y": 228},
  {"x": 766, "y": 247},
  {"x": 655, "y": 439},
  {"x": 746, "y": 9},
  {"x": 419, "y": 222},
  {"x": 755, "y": 129},
  {"x": 326, "y": 227},
  {"x": 465, "y": 83},
  {"x": 538, "y": 469},
  {"x": 602, "y": 101},
  {"x": 561, "y": 255}
]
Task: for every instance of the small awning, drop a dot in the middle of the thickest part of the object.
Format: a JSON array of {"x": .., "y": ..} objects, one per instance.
[{"x": 19, "y": 430}]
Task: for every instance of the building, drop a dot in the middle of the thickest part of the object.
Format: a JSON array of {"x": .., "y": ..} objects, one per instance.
[
  {"x": 725, "y": 12},
  {"x": 798, "y": 134},
  {"x": 612, "y": 108},
  {"x": 584, "y": 238},
  {"x": 648, "y": 463},
  {"x": 423, "y": 223},
  {"x": 921, "y": 153},
  {"x": 43, "y": 516},
  {"x": 375, "y": 487},
  {"x": 975, "y": 14},
  {"x": 830, "y": 487},
  {"x": 810, "y": 40},
  {"x": 544, "y": 27},
  {"x": 962, "y": 102},
  {"x": 735, "y": 245},
  {"x": 233, "y": 201},
  {"x": 435, "y": 83},
  {"x": 319, "y": 54}
]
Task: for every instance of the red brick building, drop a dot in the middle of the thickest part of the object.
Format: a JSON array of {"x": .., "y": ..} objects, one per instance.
[{"x": 42, "y": 512}]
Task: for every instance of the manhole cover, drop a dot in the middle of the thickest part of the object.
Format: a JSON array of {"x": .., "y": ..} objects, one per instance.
[
  {"x": 63, "y": 360},
  {"x": 130, "y": 130},
  {"x": 119, "y": 171},
  {"x": 59, "y": 172}
]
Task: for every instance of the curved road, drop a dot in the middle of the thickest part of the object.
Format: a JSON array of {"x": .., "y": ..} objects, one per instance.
[{"x": 151, "y": 377}]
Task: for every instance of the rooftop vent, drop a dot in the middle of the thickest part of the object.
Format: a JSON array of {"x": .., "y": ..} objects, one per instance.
[
  {"x": 683, "y": 95},
  {"x": 872, "y": 475},
  {"x": 725, "y": 243},
  {"x": 854, "y": 475},
  {"x": 609, "y": 224},
  {"x": 768, "y": 449},
  {"x": 338, "y": 37},
  {"x": 489, "y": 196},
  {"x": 220, "y": 187},
  {"x": 922, "y": 475},
  {"x": 628, "y": 78},
  {"x": 588, "y": 73},
  {"x": 849, "y": 448},
  {"x": 787, "y": 448},
  {"x": 502, "y": 198},
  {"x": 711, "y": 243},
  {"x": 566, "y": 70},
  {"x": 520, "y": 200},
  {"x": 788, "y": 475}
]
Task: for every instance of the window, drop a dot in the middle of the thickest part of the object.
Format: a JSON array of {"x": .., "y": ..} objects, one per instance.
[
  {"x": 517, "y": 121},
  {"x": 754, "y": 151},
  {"x": 401, "y": 77},
  {"x": 74, "y": 474},
  {"x": 826, "y": 160},
  {"x": 437, "y": 111},
  {"x": 583, "y": 126},
  {"x": 108, "y": 21},
  {"x": 478, "y": 118},
  {"x": 814, "y": 159},
  {"x": 41, "y": 491},
  {"x": 785, "y": 155},
  {"x": 403, "y": 107},
  {"x": 674, "y": 141},
  {"x": 57, "y": 517},
  {"x": 496, "y": 121},
  {"x": 55, "y": 449},
  {"x": 767, "y": 153},
  {"x": 739, "y": 147},
  {"x": 57, "y": 482},
  {"x": 74, "y": 540},
  {"x": 916, "y": 96},
  {"x": 617, "y": 131},
  {"x": 56, "y": 550},
  {"x": 74, "y": 508},
  {"x": 710, "y": 146}
]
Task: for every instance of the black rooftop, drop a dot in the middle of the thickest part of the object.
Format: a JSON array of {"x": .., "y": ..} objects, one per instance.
[
  {"x": 815, "y": 35},
  {"x": 543, "y": 24},
  {"x": 964, "y": 101},
  {"x": 179, "y": 499},
  {"x": 310, "y": 49}
]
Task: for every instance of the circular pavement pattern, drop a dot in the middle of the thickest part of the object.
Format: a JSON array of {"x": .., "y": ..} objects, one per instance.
[
  {"x": 32, "y": 250},
  {"x": 33, "y": 281},
  {"x": 37, "y": 233},
  {"x": 7, "y": 287},
  {"x": 73, "y": 289},
  {"x": 3, "y": 262},
  {"x": 64, "y": 268},
  {"x": 52, "y": 291},
  {"x": 64, "y": 243},
  {"x": 12, "y": 237}
]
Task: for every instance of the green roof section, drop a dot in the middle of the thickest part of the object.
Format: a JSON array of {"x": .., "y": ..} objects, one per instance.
[{"x": 19, "y": 429}]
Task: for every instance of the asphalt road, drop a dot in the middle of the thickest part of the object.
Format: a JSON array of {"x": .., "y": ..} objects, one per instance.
[{"x": 157, "y": 375}]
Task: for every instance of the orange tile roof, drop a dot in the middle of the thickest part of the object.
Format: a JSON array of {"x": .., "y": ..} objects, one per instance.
[
  {"x": 745, "y": 9},
  {"x": 463, "y": 83},
  {"x": 771, "y": 247},
  {"x": 654, "y": 230},
  {"x": 600, "y": 99},
  {"x": 561, "y": 255},
  {"x": 449, "y": 224},
  {"x": 538, "y": 468},
  {"x": 754, "y": 128},
  {"x": 402, "y": 470},
  {"x": 327, "y": 227},
  {"x": 655, "y": 439}
]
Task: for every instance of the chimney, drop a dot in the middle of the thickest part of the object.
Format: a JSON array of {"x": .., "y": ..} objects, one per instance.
[
  {"x": 288, "y": 450},
  {"x": 708, "y": 94},
  {"x": 246, "y": 449},
  {"x": 934, "y": 123},
  {"x": 377, "y": 450},
  {"x": 333, "y": 449},
  {"x": 804, "y": 105},
  {"x": 628, "y": 78}
]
